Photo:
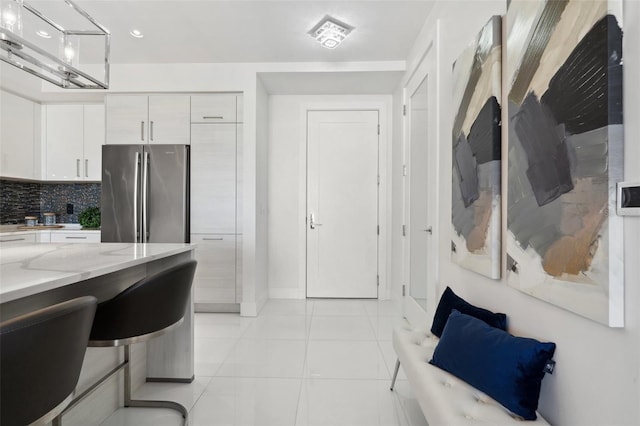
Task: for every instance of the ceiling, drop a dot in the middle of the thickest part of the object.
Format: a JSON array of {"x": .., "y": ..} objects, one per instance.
[{"x": 264, "y": 31}]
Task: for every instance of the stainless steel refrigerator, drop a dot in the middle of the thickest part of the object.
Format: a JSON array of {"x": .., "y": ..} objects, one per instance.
[{"x": 145, "y": 193}]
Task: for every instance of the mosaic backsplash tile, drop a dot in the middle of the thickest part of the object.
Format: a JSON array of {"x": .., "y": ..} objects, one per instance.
[{"x": 20, "y": 199}]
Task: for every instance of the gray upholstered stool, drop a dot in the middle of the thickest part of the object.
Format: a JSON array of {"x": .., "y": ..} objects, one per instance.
[
  {"x": 41, "y": 356},
  {"x": 147, "y": 309}
]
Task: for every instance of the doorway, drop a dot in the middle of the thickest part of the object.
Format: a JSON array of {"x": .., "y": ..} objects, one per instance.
[
  {"x": 419, "y": 224},
  {"x": 342, "y": 223}
]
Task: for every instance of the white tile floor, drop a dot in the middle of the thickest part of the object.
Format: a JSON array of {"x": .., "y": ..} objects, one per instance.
[{"x": 301, "y": 362}]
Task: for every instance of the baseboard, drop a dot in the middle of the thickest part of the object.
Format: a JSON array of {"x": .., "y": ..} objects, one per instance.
[{"x": 216, "y": 307}]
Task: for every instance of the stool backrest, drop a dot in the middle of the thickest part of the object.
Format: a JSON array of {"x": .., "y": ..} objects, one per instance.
[
  {"x": 41, "y": 356},
  {"x": 152, "y": 304}
]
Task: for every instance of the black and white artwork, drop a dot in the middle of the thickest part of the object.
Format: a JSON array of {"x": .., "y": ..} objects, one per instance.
[
  {"x": 565, "y": 154},
  {"x": 475, "y": 191}
]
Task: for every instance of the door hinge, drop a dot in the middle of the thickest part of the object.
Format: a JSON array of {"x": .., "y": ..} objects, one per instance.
[
  {"x": 378, "y": 129},
  {"x": 404, "y": 230},
  {"x": 378, "y": 280},
  {"x": 404, "y": 170},
  {"x": 403, "y": 289},
  {"x": 378, "y": 179},
  {"x": 378, "y": 229},
  {"x": 404, "y": 110}
]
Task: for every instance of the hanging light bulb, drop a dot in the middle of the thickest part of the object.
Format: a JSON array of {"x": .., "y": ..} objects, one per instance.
[
  {"x": 11, "y": 19},
  {"x": 69, "y": 49}
]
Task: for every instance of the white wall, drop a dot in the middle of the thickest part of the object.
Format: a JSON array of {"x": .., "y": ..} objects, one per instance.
[
  {"x": 596, "y": 378},
  {"x": 287, "y": 185}
]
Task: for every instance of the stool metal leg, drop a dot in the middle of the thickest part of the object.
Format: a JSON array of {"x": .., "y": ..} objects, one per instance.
[
  {"x": 395, "y": 374},
  {"x": 128, "y": 402}
]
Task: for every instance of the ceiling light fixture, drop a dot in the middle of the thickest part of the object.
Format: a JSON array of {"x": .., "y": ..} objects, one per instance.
[
  {"x": 61, "y": 68},
  {"x": 330, "y": 32},
  {"x": 136, "y": 33}
]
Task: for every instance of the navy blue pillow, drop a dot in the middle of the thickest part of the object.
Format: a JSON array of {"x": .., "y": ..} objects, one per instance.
[
  {"x": 450, "y": 301},
  {"x": 507, "y": 368}
]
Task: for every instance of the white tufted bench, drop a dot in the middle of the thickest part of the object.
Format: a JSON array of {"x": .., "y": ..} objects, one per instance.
[{"x": 444, "y": 398}]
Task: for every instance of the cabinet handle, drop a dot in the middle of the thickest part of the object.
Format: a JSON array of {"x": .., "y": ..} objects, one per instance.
[
  {"x": 213, "y": 239},
  {"x": 208, "y": 117},
  {"x": 151, "y": 130},
  {"x": 86, "y": 168},
  {"x": 142, "y": 131},
  {"x": 76, "y": 238},
  {"x": 77, "y": 167},
  {"x": 14, "y": 239}
]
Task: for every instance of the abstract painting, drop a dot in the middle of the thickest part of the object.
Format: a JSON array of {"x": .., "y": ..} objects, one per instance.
[
  {"x": 564, "y": 240},
  {"x": 475, "y": 191}
]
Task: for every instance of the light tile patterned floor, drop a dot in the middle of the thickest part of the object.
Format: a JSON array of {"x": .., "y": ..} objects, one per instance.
[{"x": 300, "y": 362}]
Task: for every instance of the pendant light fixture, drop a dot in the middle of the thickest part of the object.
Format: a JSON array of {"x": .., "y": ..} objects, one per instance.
[{"x": 59, "y": 63}]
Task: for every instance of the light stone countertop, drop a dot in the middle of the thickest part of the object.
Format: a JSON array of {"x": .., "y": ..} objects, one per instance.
[{"x": 31, "y": 268}]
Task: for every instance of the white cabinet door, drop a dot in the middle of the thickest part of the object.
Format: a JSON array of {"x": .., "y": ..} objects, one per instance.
[
  {"x": 93, "y": 141},
  {"x": 17, "y": 238},
  {"x": 213, "y": 178},
  {"x": 74, "y": 237},
  {"x": 17, "y": 144},
  {"x": 64, "y": 141},
  {"x": 126, "y": 121},
  {"x": 216, "y": 108},
  {"x": 169, "y": 119},
  {"x": 215, "y": 278}
]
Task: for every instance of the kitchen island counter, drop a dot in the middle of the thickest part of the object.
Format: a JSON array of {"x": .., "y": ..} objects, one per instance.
[{"x": 28, "y": 269}]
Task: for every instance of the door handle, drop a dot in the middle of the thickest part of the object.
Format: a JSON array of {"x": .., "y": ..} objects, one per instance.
[
  {"x": 151, "y": 131},
  {"x": 136, "y": 199},
  {"x": 77, "y": 167},
  {"x": 429, "y": 230},
  {"x": 86, "y": 168},
  {"x": 145, "y": 198},
  {"x": 142, "y": 131},
  {"x": 312, "y": 223}
]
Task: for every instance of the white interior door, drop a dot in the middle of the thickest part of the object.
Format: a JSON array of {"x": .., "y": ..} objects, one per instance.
[
  {"x": 419, "y": 224},
  {"x": 342, "y": 204}
]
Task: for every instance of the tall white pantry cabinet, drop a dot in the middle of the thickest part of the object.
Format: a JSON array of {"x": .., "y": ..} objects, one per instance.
[
  {"x": 216, "y": 215},
  {"x": 213, "y": 124}
]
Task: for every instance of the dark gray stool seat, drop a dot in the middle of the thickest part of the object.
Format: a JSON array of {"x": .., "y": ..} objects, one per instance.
[
  {"x": 41, "y": 355},
  {"x": 151, "y": 307}
]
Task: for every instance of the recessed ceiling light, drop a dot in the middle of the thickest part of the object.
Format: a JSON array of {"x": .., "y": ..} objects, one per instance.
[
  {"x": 136, "y": 33},
  {"x": 43, "y": 34},
  {"x": 330, "y": 32}
]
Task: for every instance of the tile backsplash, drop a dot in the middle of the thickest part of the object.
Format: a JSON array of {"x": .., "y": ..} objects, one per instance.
[{"x": 20, "y": 199}]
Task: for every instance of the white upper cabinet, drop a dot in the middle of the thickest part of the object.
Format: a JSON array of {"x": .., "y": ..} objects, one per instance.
[
  {"x": 94, "y": 130},
  {"x": 215, "y": 108},
  {"x": 74, "y": 135},
  {"x": 19, "y": 137},
  {"x": 169, "y": 119},
  {"x": 160, "y": 119},
  {"x": 126, "y": 119}
]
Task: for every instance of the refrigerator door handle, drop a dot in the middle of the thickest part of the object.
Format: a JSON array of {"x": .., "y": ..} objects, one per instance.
[
  {"x": 136, "y": 198},
  {"x": 145, "y": 201}
]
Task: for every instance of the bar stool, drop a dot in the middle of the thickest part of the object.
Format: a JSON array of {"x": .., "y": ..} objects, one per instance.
[
  {"x": 41, "y": 355},
  {"x": 151, "y": 307}
]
